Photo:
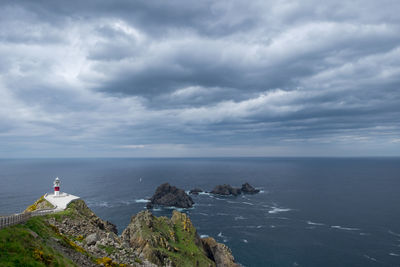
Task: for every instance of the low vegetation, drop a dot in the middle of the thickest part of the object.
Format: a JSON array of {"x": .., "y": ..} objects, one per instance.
[{"x": 28, "y": 245}]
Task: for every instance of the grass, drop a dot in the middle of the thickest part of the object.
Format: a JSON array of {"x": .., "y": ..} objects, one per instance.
[
  {"x": 181, "y": 237},
  {"x": 109, "y": 249},
  {"x": 19, "y": 247}
]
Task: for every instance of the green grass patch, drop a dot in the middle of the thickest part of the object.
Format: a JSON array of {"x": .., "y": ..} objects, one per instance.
[
  {"x": 108, "y": 249},
  {"x": 19, "y": 247}
]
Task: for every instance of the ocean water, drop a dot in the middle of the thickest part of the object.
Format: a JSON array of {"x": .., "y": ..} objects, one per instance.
[{"x": 311, "y": 212}]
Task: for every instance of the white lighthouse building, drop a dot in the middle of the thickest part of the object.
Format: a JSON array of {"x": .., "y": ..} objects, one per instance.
[
  {"x": 56, "y": 186},
  {"x": 59, "y": 200}
]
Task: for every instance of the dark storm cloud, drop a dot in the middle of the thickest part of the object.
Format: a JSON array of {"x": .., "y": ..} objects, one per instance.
[{"x": 121, "y": 77}]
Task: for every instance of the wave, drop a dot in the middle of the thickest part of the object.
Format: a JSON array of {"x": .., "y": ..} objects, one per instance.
[
  {"x": 176, "y": 208},
  {"x": 217, "y": 198},
  {"x": 204, "y": 214},
  {"x": 364, "y": 234},
  {"x": 314, "y": 223},
  {"x": 222, "y": 214},
  {"x": 204, "y": 193},
  {"x": 232, "y": 202},
  {"x": 277, "y": 210},
  {"x": 204, "y": 236},
  {"x": 245, "y": 241},
  {"x": 141, "y": 200},
  {"x": 248, "y": 203},
  {"x": 102, "y": 204},
  {"x": 393, "y": 233},
  {"x": 240, "y": 218},
  {"x": 370, "y": 258},
  {"x": 345, "y": 228},
  {"x": 394, "y": 254},
  {"x": 224, "y": 238}
]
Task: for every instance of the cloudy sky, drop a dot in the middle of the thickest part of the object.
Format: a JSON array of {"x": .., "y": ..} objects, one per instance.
[{"x": 199, "y": 78}]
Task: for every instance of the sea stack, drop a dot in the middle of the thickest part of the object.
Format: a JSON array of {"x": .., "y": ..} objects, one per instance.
[{"x": 167, "y": 195}]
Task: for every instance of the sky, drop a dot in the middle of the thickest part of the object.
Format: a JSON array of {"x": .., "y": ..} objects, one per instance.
[{"x": 199, "y": 78}]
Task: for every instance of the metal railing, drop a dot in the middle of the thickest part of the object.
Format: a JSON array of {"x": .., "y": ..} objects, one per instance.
[{"x": 14, "y": 219}]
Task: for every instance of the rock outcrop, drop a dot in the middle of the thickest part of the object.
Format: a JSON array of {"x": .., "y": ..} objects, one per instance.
[
  {"x": 173, "y": 242},
  {"x": 248, "y": 189},
  {"x": 225, "y": 190},
  {"x": 219, "y": 253},
  {"x": 195, "y": 191},
  {"x": 94, "y": 236},
  {"x": 167, "y": 195}
]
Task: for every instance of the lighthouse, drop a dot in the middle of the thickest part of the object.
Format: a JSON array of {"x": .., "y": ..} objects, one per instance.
[{"x": 56, "y": 187}]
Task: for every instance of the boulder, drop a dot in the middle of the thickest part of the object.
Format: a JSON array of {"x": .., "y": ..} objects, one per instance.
[
  {"x": 92, "y": 239},
  {"x": 167, "y": 195},
  {"x": 248, "y": 189},
  {"x": 226, "y": 190},
  {"x": 195, "y": 191},
  {"x": 219, "y": 253}
]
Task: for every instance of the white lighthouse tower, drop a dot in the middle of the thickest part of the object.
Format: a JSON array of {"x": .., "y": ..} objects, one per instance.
[{"x": 56, "y": 186}]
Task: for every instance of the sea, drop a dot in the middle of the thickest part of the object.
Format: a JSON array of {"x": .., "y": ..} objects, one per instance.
[{"x": 310, "y": 211}]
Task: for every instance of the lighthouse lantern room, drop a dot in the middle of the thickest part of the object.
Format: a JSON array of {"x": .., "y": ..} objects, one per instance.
[{"x": 57, "y": 187}]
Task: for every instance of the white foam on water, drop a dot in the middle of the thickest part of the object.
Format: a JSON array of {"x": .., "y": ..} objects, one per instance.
[
  {"x": 277, "y": 210},
  {"x": 394, "y": 254},
  {"x": 141, "y": 200},
  {"x": 259, "y": 226},
  {"x": 103, "y": 204},
  {"x": 204, "y": 193},
  {"x": 261, "y": 192},
  {"x": 272, "y": 226},
  {"x": 314, "y": 223},
  {"x": 370, "y": 258},
  {"x": 222, "y": 214},
  {"x": 345, "y": 228},
  {"x": 157, "y": 209},
  {"x": 240, "y": 218},
  {"x": 232, "y": 202},
  {"x": 204, "y": 236},
  {"x": 364, "y": 234},
  {"x": 217, "y": 198},
  {"x": 393, "y": 233},
  {"x": 220, "y": 234},
  {"x": 245, "y": 241},
  {"x": 248, "y": 203},
  {"x": 204, "y": 214}
]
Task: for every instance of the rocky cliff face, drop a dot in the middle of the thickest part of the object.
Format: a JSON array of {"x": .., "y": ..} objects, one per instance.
[
  {"x": 173, "y": 242},
  {"x": 77, "y": 237}
]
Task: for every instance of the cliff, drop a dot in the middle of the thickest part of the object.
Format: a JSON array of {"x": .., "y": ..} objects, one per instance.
[{"x": 77, "y": 237}]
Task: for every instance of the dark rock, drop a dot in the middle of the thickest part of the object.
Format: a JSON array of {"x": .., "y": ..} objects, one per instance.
[
  {"x": 226, "y": 190},
  {"x": 167, "y": 195},
  {"x": 248, "y": 189},
  {"x": 195, "y": 191}
]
